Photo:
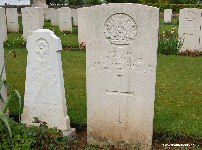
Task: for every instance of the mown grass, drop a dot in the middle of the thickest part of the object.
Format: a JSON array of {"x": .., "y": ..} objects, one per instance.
[{"x": 178, "y": 89}]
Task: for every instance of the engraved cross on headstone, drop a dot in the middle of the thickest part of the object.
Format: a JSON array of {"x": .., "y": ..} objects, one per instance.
[{"x": 120, "y": 93}]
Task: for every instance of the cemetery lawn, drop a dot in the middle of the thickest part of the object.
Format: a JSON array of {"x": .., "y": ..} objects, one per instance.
[{"x": 178, "y": 90}]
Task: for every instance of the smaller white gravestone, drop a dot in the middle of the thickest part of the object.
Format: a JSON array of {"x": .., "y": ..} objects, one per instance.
[
  {"x": 44, "y": 87},
  {"x": 168, "y": 15},
  {"x": 32, "y": 19},
  {"x": 3, "y": 27},
  {"x": 75, "y": 17},
  {"x": 65, "y": 20},
  {"x": 3, "y": 91},
  {"x": 12, "y": 20},
  {"x": 190, "y": 31}
]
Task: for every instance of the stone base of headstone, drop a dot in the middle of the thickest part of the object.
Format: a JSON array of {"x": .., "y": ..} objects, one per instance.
[
  {"x": 40, "y": 5},
  {"x": 119, "y": 144},
  {"x": 69, "y": 133}
]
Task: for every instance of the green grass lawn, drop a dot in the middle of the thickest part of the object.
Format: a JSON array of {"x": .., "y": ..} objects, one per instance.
[{"x": 178, "y": 90}]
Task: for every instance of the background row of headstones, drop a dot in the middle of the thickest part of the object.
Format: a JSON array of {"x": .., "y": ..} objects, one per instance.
[{"x": 33, "y": 19}]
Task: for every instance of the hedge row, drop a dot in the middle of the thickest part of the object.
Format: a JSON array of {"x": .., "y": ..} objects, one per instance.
[{"x": 175, "y": 7}]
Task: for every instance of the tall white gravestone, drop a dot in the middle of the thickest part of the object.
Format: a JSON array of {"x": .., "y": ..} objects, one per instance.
[
  {"x": 44, "y": 87},
  {"x": 12, "y": 20},
  {"x": 168, "y": 15},
  {"x": 3, "y": 26},
  {"x": 75, "y": 17},
  {"x": 190, "y": 32},
  {"x": 65, "y": 19},
  {"x": 32, "y": 19},
  {"x": 121, "y": 57},
  {"x": 82, "y": 28}
]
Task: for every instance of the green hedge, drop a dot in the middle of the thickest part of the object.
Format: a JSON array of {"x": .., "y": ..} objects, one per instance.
[{"x": 175, "y": 7}]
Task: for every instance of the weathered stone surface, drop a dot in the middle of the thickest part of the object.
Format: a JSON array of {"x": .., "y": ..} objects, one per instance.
[
  {"x": 75, "y": 17},
  {"x": 168, "y": 15},
  {"x": 82, "y": 33},
  {"x": 3, "y": 27},
  {"x": 12, "y": 20},
  {"x": 44, "y": 87},
  {"x": 32, "y": 19},
  {"x": 39, "y": 3},
  {"x": 54, "y": 17},
  {"x": 3, "y": 91},
  {"x": 121, "y": 57},
  {"x": 65, "y": 20},
  {"x": 190, "y": 32}
]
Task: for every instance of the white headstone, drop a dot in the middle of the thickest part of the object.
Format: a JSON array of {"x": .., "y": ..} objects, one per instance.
[
  {"x": 65, "y": 19},
  {"x": 44, "y": 87},
  {"x": 39, "y": 3},
  {"x": 190, "y": 32},
  {"x": 12, "y": 20},
  {"x": 3, "y": 27},
  {"x": 75, "y": 17},
  {"x": 54, "y": 17},
  {"x": 32, "y": 19},
  {"x": 47, "y": 13},
  {"x": 121, "y": 57},
  {"x": 82, "y": 33},
  {"x": 3, "y": 91},
  {"x": 168, "y": 15}
]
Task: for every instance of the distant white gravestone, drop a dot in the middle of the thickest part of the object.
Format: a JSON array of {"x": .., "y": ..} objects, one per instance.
[
  {"x": 168, "y": 15},
  {"x": 47, "y": 13},
  {"x": 82, "y": 27},
  {"x": 75, "y": 17},
  {"x": 121, "y": 64},
  {"x": 12, "y": 20},
  {"x": 32, "y": 19},
  {"x": 44, "y": 87},
  {"x": 3, "y": 91},
  {"x": 65, "y": 20},
  {"x": 54, "y": 17},
  {"x": 39, "y": 3},
  {"x": 190, "y": 31},
  {"x": 3, "y": 27}
]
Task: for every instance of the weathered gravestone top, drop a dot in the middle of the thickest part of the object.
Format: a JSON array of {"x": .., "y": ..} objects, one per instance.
[
  {"x": 190, "y": 32},
  {"x": 121, "y": 74},
  {"x": 44, "y": 88},
  {"x": 168, "y": 15}
]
